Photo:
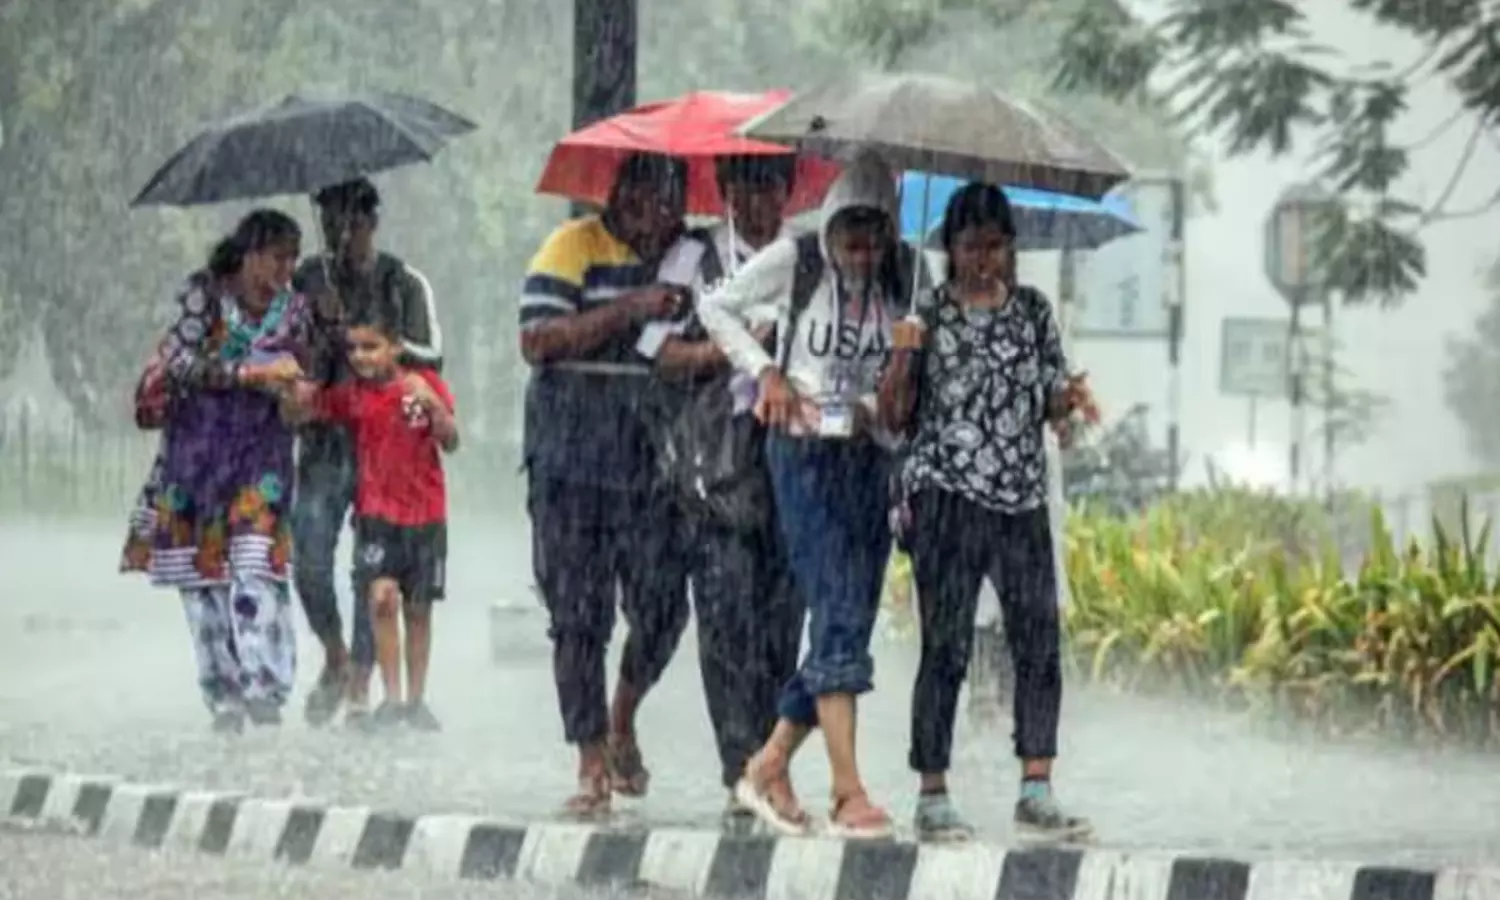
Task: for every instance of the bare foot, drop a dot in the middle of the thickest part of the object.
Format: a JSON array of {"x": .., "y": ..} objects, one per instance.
[
  {"x": 628, "y": 774},
  {"x": 592, "y": 799}
]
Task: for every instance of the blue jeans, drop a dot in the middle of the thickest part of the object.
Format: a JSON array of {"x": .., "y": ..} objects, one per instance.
[
  {"x": 325, "y": 491},
  {"x": 831, "y": 505}
]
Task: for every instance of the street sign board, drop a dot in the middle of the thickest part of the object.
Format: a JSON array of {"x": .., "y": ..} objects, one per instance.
[
  {"x": 1120, "y": 287},
  {"x": 1291, "y": 237},
  {"x": 1253, "y": 357}
]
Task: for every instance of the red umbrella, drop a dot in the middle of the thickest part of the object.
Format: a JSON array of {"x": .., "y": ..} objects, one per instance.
[{"x": 697, "y": 127}]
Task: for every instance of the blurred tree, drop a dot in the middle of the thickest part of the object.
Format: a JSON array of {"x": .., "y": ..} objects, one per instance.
[
  {"x": 1338, "y": 406},
  {"x": 1251, "y": 73},
  {"x": 1472, "y": 379},
  {"x": 95, "y": 94},
  {"x": 94, "y": 77}
]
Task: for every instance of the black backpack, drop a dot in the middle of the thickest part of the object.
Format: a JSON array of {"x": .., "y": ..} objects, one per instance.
[{"x": 708, "y": 458}]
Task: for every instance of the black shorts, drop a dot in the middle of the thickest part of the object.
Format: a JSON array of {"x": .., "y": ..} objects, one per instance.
[{"x": 414, "y": 556}]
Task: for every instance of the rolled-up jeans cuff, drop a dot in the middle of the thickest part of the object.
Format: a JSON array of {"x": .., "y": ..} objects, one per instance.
[{"x": 839, "y": 676}]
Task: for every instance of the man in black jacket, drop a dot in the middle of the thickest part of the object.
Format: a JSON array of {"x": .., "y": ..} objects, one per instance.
[{"x": 350, "y": 279}]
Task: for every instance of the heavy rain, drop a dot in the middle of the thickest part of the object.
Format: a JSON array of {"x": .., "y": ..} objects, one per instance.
[{"x": 1029, "y": 449}]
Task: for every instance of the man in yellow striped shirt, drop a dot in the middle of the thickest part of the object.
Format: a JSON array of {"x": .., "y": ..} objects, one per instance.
[{"x": 599, "y": 521}]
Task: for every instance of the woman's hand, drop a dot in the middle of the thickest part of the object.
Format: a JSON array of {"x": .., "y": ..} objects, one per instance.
[
  {"x": 908, "y": 334},
  {"x": 1074, "y": 396},
  {"x": 778, "y": 405},
  {"x": 277, "y": 374},
  {"x": 1075, "y": 401}
]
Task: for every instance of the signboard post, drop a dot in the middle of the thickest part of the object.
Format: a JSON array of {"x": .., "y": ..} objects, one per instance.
[
  {"x": 1255, "y": 362},
  {"x": 1133, "y": 288},
  {"x": 1291, "y": 265}
]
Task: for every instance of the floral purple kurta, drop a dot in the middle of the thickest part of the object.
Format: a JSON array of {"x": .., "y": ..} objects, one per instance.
[
  {"x": 214, "y": 517},
  {"x": 220, "y": 489}
]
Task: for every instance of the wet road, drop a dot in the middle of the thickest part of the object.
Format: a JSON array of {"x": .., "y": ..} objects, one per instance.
[
  {"x": 96, "y": 676},
  {"x": 44, "y": 867}
]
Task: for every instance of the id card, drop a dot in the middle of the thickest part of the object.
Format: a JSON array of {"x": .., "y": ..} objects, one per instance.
[{"x": 835, "y": 419}]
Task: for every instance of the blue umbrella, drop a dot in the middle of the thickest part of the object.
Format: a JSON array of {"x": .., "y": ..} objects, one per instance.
[{"x": 1044, "y": 220}]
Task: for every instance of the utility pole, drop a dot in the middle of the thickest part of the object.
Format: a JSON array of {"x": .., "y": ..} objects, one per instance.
[
  {"x": 1175, "y": 273},
  {"x": 1297, "y": 362},
  {"x": 604, "y": 61},
  {"x": 1328, "y": 399}
]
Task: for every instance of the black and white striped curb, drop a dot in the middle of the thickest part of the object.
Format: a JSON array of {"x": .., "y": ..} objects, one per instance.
[{"x": 690, "y": 863}]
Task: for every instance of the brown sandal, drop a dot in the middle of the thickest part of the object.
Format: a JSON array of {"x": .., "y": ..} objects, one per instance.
[
  {"x": 854, "y": 817},
  {"x": 591, "y": 802},
  {"x": 628, "y": 775}
]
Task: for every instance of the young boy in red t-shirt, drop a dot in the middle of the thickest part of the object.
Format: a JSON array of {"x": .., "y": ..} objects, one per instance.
[{"x": 400, "y": 421}]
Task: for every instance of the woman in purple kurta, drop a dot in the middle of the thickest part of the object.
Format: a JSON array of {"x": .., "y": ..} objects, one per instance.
[{"x": 219, "y": 527}]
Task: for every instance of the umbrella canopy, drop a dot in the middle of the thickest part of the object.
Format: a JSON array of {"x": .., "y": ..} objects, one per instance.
[
  {"x": 300, "y": 145},
  {"x": 1044, "y": 220},
  {"x": 699, "y": 128},
  {"x": 947, "y": 127}
]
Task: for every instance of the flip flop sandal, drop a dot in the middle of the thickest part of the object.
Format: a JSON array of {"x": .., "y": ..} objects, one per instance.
[
  {"x": 759, "y": 803},
  {"x": 628, "y": 775},
  {"x": 873, "y": 824}
]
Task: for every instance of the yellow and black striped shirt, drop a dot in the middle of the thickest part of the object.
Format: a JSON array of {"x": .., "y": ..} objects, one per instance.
[{"x": 584, "y": 426}]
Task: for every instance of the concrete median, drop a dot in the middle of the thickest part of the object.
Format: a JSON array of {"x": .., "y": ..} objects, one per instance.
[{"x": 675, "y": 862}]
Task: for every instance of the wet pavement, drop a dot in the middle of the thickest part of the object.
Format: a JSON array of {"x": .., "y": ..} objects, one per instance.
[{"x": 96, "y": 676}]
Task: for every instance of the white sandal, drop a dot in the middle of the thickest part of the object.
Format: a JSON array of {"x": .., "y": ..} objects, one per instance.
[{"x": 759, "y": 803}]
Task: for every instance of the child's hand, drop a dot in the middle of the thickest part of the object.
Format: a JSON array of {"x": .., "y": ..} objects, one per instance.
[
  {"x": 419, "y": 389},
  {"x": 303, "y": 393}
]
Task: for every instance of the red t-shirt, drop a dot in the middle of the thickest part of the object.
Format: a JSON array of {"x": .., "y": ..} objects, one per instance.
[{"x": 400, "y": 465}]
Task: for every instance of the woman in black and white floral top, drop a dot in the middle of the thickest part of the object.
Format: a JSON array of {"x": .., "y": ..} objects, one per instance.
[{"x": 975, "y": 378}]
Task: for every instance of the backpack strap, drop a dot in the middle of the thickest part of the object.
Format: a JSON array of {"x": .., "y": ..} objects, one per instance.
[{"x": 806, "y": 277}]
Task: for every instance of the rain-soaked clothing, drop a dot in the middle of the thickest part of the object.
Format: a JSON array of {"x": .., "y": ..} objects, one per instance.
[
  {"x": 749, "y": 614},
  {"x": 586, "y": 543},
  {"x": 956, "y": 543},
  {"x": 583, "y": 422},
  {"x": 831, "y": 505},
  {"x": 326, "y": 471},
  {"x": 749, "y": 633},
  {"x": 977, "y": 475},
  {"x": 830, "y": 491},
  {"x": 600, "y": 524},
  {"x": 400, "y": 495},
  {"x": 244, "y": 643},
  {"x": 223, "y": 488},
  {"x": 325, "y": 492}
]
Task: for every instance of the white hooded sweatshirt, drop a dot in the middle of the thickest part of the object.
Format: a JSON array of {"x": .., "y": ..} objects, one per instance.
[{"x": 829, "y": 342}]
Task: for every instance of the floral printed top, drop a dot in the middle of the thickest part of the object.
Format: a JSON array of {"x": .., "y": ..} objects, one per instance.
[
  {"x": 222, "y": 492},
  {"x": 985, "y": 378}
]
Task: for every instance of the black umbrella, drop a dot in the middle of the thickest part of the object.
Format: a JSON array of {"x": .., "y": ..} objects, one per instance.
[{"x": 300, "y": 145}]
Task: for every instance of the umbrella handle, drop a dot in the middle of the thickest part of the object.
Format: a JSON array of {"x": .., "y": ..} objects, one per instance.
[{"x": 921, "y": 249}]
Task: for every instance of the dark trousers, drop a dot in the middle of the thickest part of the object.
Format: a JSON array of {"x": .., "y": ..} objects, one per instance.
[
  {"x": 749, "y": 631},
  {"x": 955, "y": 543},
  {"x": 325, "y": 492},
  {"x": 590, "y": 545},
  {"x": 831, "y": 507}
]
